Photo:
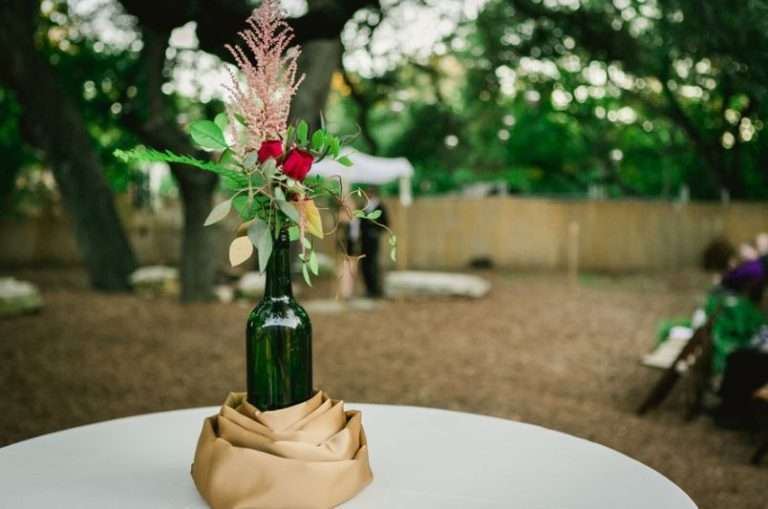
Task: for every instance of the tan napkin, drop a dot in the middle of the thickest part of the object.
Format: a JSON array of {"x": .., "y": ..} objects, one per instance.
[{"x": 309, "y": 456}]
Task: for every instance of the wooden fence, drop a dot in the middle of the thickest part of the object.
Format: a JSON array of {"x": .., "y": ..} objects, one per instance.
[{"x": 450, "y": 232}]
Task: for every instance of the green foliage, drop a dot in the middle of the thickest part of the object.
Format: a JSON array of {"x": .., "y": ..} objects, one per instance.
[
  {"x": 266, "y": 199},
  {"x": 207, "y": 135},
  {"x": 149, "y": 155},
  {"x": 554, "y": 100}
]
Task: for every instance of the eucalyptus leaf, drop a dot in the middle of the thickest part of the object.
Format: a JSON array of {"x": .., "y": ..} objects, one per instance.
[
  {"x": 313, "y": 264},
  {"x": 218, "y": 213},
  {"x": 251, "y": 159},
  {"x": 305, "y": 273},
  {"x": 240, "y": 250},
  {"x": 207, "y": 135},
  {"x": 289, "y": 210},
  {"x": 268, "y": 168},
  {"x": 260, "y": 236},
  {"x": 265, "y": 251},
  {"x": 221, "y": 120}
]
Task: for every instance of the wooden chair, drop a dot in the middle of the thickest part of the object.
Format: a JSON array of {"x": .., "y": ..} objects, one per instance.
[
  {"x": 697, "y": 357},
  {"x": 761, "y": 398}
]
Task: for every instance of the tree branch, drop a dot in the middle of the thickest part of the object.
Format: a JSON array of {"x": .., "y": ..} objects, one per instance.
[{"x": 218, "y": 21}]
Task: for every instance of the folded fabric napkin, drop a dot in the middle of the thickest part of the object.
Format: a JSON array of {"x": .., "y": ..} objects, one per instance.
[{"x": 308, "y": 456}]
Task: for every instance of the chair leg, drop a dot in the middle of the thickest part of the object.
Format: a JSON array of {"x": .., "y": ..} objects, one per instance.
[
  {"x": 760, "y": 453},
  {"x": 659, "y": 392}
]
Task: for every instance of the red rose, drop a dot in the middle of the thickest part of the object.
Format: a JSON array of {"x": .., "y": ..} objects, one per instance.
[
  {"x": 297, "y": 164},
  {"x": 270, "y": 148}
]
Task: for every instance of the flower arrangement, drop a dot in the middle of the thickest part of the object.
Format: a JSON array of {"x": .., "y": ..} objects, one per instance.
[{"x": 264, "y": 163}]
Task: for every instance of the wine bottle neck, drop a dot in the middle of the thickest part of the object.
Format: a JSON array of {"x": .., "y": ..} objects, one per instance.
[{"x": 279, "y": 268}]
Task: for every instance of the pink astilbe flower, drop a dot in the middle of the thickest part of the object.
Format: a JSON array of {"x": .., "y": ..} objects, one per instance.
[{"x": 270, "y": 76}]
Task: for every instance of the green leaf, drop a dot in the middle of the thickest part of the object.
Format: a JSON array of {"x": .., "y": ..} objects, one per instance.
[
  {"x": 293, "y": 233},
  {"x": 306, "y": 243},
  {"x": 289, "y": 210},
  {"x": 251, "y": 159},
  {"x": 207, "y": 135},
  {"x": 344, "y": 161},
  {"x": 241, "y": 205},
  {"x": 313, "y": 264},
  {"x": 230, "y": 185},
  {"x": 360, "y": 214},
  {"x": 222, "y": 120},
  {"x": 318, "y": 140},
  {"x": 335, "y": 146},
  {"x": 374, "y": 215},
  {"x": 305, "y": 273},
  {"x": 227, "y": 157},
  {"x": 392, "y": 240},
  {"x": 155, "y": 156},
  {"x": 279, "y": 194},
  {"x": 261, "y": 237},
  {"x": 218, "y": 213},
  {"x": 301, "y": 132},
  {"x": 268, "y": 168}
]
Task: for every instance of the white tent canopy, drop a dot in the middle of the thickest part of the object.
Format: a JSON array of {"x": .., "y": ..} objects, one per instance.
[{"x": 373, "y": 170}]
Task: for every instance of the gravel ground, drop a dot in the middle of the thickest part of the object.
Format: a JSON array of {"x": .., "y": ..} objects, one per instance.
[{"x": 537, "y": 350}]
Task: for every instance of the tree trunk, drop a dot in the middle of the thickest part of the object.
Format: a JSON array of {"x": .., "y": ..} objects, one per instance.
[
  {"x": 318, "y": 61},
  {"x": 198, "y": 266},
  {"x": 160, "y": 129},
  {"x": 51, "y": 122}
]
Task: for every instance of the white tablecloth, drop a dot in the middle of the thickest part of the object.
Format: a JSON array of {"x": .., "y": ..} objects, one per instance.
[{"x": 421, "y": 458}]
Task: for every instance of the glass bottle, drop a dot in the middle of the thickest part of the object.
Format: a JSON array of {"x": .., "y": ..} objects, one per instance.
[{"x": 278, "y": 339}]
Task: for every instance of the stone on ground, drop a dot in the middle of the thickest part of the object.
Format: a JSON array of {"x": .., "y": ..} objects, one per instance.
[
  {"x": 251, "y": 286},
  {"x": 18, "y": 297},
  {"x": 156, "y": 280},
  {"x": 435, "y": 284},
  {"x": 331, "y": 306}
]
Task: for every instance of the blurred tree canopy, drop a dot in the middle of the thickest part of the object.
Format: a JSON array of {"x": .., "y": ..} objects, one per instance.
[
  {"x": 77, "y": 86},
  {"x": 638, "y": 98}
]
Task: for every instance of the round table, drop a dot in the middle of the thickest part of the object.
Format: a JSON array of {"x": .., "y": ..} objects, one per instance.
[{"x": 421, "y": 458}]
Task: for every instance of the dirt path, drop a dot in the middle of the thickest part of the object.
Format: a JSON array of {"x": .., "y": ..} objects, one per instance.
[{"x": 536, "y": 350}]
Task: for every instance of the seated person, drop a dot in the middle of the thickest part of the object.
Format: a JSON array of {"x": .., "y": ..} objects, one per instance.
[
  {"x": 746, "y": 371},
  {"x": 737, "y": 297},
  {"x": 750, "y": 277}
]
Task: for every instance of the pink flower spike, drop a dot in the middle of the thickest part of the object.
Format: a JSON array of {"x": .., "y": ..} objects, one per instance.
[{"x": 269, "y": 75}]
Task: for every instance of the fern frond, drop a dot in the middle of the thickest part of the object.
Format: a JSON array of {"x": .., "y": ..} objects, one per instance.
[{"x": 155, "y": 156}]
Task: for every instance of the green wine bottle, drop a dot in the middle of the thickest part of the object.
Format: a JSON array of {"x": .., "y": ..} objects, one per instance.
[{"x": 278, "y": 339}]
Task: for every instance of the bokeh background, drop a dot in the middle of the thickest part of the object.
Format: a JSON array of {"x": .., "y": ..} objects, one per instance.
[{"x": 577, "y": 154}]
